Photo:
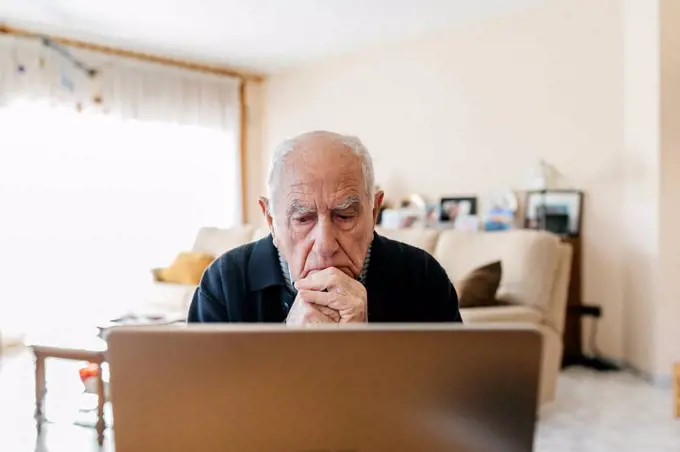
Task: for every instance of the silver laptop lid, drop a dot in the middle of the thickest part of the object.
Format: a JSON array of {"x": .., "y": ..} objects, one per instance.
[{"x": 352, "y": 389}]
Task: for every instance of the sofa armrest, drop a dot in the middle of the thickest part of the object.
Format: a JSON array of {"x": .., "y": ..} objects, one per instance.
[
  {"x": 155, "y": 274},
  {"x": 170, "y": 298},
  {"x": 493, "y": 314}
]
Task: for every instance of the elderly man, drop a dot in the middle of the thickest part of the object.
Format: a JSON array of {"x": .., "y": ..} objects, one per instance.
[{"x": 323, "y": 262}]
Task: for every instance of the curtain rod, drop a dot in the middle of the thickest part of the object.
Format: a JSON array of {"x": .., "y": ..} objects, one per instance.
[{"x": 217, "y": 70}]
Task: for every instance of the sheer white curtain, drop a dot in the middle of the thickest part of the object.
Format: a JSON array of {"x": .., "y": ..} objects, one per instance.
[{"x": 90, "y": 201}]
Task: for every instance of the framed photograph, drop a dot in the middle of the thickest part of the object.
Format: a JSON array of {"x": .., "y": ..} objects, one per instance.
[
  {"x": 557, "y": 211},
  {"x": 450, "y": 208}
]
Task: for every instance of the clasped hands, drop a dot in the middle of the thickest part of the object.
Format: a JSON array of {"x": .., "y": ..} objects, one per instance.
[{"x": 328, "y": 296}]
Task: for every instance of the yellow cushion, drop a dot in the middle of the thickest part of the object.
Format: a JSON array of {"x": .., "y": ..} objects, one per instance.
[{"x": 187, "y": 268}]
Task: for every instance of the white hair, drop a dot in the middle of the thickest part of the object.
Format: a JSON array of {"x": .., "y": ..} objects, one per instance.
[{"x": 354, "y": 144}]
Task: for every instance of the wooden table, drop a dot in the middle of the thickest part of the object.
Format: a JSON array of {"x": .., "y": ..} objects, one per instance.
[{"x": 92, "y": 350}]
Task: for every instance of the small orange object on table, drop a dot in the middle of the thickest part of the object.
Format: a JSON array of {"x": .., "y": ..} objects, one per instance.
[
  {"x": 92, "y": 350},
  {"x": 676, "y": 389}
]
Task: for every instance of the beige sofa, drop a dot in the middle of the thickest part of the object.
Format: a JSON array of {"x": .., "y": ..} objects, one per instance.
[
  {"x": 536, "y": 270},
  {"x": 170, "y": 298},
  {"x": 536, "y": 267}
]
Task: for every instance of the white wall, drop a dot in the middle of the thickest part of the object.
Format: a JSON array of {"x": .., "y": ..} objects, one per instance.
[
  {"x": 255, "y": 155},
  {"x": 640, "y": 157},
  {"x": 472, "y": 110},
  {"x": 668, "y": 315}
]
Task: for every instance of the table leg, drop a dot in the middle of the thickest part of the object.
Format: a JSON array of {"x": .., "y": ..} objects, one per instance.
[
  {"x": 101, "y": 400},
  {"x": 40, "y": 390}
]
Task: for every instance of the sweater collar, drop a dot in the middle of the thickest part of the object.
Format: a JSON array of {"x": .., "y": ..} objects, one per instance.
[
  {"x": 265, "y": 268},
  {"x": 288, "y": 277}
]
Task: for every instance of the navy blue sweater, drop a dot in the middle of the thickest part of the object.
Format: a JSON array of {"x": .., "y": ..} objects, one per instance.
[{"x": 404, "y": 284}]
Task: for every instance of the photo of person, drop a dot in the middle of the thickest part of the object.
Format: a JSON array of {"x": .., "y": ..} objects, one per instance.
[{"x": 451, "y": 208}]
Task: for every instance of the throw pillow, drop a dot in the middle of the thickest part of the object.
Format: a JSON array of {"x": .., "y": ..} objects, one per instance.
[
  {"x": 187, "y": 268},
  {"x": 478, "y": 288}
]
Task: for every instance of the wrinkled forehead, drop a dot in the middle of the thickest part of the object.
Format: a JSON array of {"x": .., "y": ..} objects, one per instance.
[{"x": 322, "y": 169}]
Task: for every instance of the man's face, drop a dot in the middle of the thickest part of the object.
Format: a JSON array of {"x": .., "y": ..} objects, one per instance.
[{"x": 322, "y": 216}]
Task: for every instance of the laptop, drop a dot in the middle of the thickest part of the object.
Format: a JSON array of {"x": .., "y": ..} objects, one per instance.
[{"x": 363, "y": 388}]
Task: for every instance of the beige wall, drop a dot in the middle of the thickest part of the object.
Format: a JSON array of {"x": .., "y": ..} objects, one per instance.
[
  {"x": 255, "y": 155},
  {"x": 472, "y": 111},
  {"x": 640, "y": 158},
  {"x": 668, "y": 315},
  {"x": 652, "y": 185}
]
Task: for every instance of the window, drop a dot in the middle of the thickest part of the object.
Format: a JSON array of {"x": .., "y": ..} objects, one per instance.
[{"x": 90, "y": 203}]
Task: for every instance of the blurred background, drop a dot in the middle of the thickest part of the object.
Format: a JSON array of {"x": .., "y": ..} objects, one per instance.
[{"x": 135, "y": 138}]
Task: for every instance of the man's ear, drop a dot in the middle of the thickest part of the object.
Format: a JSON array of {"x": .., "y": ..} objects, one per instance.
[
  {"x": 265, "y": 207},
  {"x": 377, "y": 204}
]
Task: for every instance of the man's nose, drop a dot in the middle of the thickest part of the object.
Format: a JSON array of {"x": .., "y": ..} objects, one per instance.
[{"x": 325, "y": 241}]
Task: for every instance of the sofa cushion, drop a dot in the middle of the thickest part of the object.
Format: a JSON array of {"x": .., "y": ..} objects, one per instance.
[
  {"x": 216, "y": 241},
  {"x": 422, "y": 238},
  {"x": 187, "y": 268},
  {"x": 517, "y": 314},
  {"x": 479, "y": 287},
  {"x": 530, "y": 261}
]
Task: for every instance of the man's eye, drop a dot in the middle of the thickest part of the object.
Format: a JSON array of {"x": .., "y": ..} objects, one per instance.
[
  {"x": 345, "y": 217},
  {"x": 301, "y": 220}
]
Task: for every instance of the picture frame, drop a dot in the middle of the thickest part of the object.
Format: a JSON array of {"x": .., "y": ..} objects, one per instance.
[
  {"x": 449, "y": 207},
  {"x": 557, "y": 211}
]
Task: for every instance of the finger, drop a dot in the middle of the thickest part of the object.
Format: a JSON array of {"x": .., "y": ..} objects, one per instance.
[
  {"x": 330, "y": 313},
  {"x": 326, "y": 279},
  {"x": 308, "y": 313},
  {"x": 316, "y": 297},
  {"x": 313, "y": 282},
  {"x": 313, "y": 315},
  {"x": 304, "y": 301},
  {"x": 328, "y": 299}
]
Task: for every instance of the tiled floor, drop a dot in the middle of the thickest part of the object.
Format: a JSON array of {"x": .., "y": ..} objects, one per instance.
[
  {"x": 608, "y": 412},
  {"x": 593, "y": 413}
]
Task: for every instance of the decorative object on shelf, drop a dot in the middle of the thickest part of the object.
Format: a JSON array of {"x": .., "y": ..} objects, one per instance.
[
  {"x": 433, "y": 214},
  {"x": 557, "y": 211},
  {"x": 544, "y": 176},
  {"x": 468, "y": 223},
  {"x": 499, "y": 211},
  {"x": 413, "y": 210},
  {"x": 415, "y": 201},
  {"x": 452, "y": 207},
  {"x": 399, "y": 218},
  {"x": 417, "y": 205}
]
